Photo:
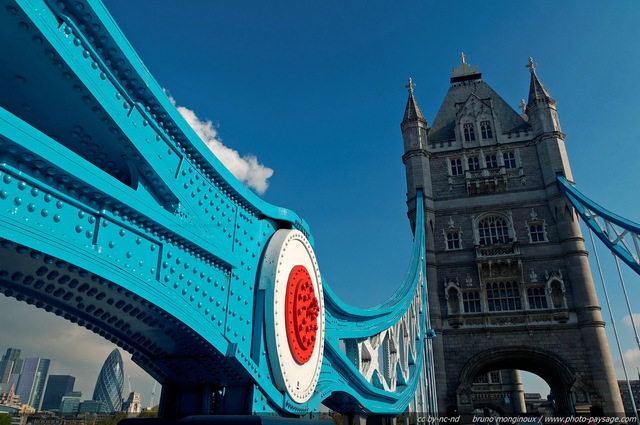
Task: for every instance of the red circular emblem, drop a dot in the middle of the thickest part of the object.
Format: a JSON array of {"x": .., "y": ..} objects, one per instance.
[{"x": 301, "y": 313}]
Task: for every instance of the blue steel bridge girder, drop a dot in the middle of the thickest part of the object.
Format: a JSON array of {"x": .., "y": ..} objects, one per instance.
[
  {"x": 116, "y": 216},
  {"x": 620, "y": 236}
]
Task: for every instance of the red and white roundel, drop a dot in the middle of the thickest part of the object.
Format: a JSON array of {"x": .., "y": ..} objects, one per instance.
[{"x": 294, "y": 313}]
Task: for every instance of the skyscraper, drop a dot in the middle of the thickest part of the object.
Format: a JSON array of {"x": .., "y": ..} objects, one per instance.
[
  {"x": 11, "y": 363},
  {"x": 110, "y": 382},
  {"x": 57, "y": 387},
  {"x": 5, "y": 370},
  {"x": 32, "y": 379}
]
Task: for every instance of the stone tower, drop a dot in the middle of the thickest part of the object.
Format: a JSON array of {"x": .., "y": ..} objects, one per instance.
[{"x": 510, "y": 287}]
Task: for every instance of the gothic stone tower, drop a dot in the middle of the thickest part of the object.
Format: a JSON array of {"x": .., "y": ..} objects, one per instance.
[{"x": 509, "y": 283}]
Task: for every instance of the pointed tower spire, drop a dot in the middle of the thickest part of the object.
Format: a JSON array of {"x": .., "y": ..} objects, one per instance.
[
  {"x": 416, "y": 156},
  {"x": 537, "y": 92},
  {"x": 541, "y": 108},
  {"x": 412, "y": 112}
]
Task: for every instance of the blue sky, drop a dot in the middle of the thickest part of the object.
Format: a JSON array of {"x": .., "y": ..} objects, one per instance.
[{"x": 315, "y": 91}]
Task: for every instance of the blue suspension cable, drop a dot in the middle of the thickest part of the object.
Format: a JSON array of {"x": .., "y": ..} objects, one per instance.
[
  {"x": 613, "y": 324},
  {"x": 626, "y": 298}
]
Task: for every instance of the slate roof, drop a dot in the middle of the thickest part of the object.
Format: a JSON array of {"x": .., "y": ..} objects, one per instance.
[
  {"x": 537, "y": 92},
  {"x": 443, "y": 125},
  {"x": 412, "y": 112}
]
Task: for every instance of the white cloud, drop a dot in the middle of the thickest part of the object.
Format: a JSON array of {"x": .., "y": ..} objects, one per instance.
[
  {"x": 632, "y": 361},
  {"x": 632, "y": 356},
  {"x": 636, "y": 319},
  {"x": 246, "y": 168}
]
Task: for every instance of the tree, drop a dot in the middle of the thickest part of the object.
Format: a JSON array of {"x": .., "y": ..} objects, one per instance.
[
  {"x": 149, "y": 413},
  {"x": 5, "y": 419}
]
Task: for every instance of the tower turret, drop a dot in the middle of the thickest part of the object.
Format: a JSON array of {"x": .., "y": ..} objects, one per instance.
[
  {"x": 415, "y": 158},
  {"x": 417, "y": 161},
  {"x": 543, "y": 118},
  {"x": 541, "y": 107},
  {"x": 414, "y": 126}
]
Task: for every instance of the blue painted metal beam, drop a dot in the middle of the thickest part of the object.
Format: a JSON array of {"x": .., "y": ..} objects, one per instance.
[
  {"x": 620, "y": 235},
  {"x": 116, "y": 216}
]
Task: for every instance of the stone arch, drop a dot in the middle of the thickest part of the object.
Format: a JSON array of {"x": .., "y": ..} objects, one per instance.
[{"x": 557, "y": 373}]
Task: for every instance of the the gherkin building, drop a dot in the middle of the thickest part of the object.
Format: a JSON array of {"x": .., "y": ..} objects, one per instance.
[{"x": 110, "y": 382}]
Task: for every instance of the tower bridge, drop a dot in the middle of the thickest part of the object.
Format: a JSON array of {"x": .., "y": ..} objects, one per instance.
[
  {"x": 117, "y": 217},
  {"x": 510, "y": 286}
]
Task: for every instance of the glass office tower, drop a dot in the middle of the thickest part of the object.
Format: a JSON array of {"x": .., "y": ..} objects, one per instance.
[
  {"x": 57, "y": 387},
  {"x": 110, "y": 382},
  {"x": 32, "y": 379}
]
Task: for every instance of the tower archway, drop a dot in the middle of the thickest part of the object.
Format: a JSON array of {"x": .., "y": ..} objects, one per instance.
[{"x": 564, "y": 382}]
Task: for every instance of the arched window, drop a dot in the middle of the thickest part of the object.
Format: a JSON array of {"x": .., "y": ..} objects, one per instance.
[
  {"x": 453, "y": 239},
  {"x": 493, "y": 230},
  {"x": 503, "y": 296},
  {"x": 491, "y": 160},
  {"x": 481, "y": 379},
  {"x": 474, "y": 163},
  {"x": 537, "y": 298},
  {"x": 485, "y": 130},
  {"x": 456, "y": 166},
  {"x": 493, "y": 377},
  {"x": 471, "y": 301},
  {"x": 509, "y": 159},
  {"x": 469, "y": 132},
  {"x": 536, "y": 231}
]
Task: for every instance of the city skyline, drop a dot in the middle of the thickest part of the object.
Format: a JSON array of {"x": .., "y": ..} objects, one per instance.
[
  {"x": 316, "y": 94},
  {"x": 88, "y": 389}
]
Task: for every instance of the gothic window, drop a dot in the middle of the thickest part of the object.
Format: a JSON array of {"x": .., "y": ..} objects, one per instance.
[
  {"x": 537, "y": 231},
  {"x": 469, "y": 132},
  {"x": 486, "y": 378},
  {"x": 456, "y": 167},
  {"x": 491, "y": 160},
  {"x": 453, "y": 239},
  {"x": 503, "y": 296},
  {"x": 485, "y": 130},
  {"x": 509, "y": 160},
  {"x": 474, "y": 163},
  {"x": 493, "y": 230},
  {"x": 537, "y": 298},
  {"x": 481, "y": 379},
  {"x": 471, "y": 302}
]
